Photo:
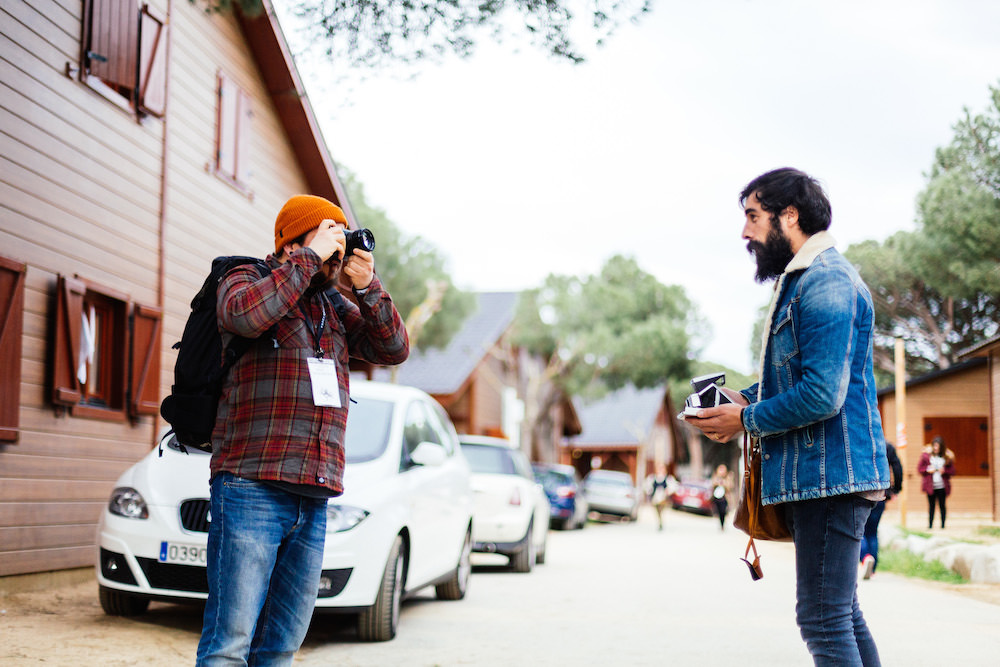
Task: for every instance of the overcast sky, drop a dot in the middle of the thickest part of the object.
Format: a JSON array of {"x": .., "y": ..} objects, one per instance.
[{"x": 516, "y": 166}]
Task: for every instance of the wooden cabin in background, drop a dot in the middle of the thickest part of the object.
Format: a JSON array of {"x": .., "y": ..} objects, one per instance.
[
  {"x": 954, "y": 404},
  {"x": 135, "y": 146}
]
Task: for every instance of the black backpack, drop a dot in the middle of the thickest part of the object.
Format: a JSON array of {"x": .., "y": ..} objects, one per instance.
[{"x": 201, "y": 369}]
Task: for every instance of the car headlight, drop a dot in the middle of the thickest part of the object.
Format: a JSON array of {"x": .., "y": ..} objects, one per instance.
[
  {"x": 129, "y": 503},
  {"x": 340, "y": 518}
]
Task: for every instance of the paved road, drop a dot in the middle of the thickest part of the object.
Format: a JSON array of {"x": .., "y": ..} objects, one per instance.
[{"x": 626, "y": 594}]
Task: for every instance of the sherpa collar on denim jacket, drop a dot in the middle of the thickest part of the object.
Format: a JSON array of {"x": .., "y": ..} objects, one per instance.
[{"x": 809, "y": 251}]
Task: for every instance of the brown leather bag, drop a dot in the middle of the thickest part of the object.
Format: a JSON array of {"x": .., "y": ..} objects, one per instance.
[{"x": 760, "y": 522}]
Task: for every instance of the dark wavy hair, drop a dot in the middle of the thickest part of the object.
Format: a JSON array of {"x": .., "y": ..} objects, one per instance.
[{"x": 777, "y": 190}]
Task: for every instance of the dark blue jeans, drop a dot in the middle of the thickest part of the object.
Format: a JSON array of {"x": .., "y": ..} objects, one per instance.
[
  {"x": 265, "y": 554},
  {"x": 827, "y": 534},
  {"x": 869, "y": 543}
]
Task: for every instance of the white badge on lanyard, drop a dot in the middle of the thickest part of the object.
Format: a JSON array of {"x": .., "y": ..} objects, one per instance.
[{"x": 326, "y": 388}]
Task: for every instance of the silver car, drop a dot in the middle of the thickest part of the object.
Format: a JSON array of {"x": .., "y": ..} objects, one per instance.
[{"x": 611, "y": 492}]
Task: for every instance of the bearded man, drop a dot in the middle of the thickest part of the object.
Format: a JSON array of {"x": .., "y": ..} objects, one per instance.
[
  {"x": 814, "y": 409},
  {"x": 278, "y": 443}
]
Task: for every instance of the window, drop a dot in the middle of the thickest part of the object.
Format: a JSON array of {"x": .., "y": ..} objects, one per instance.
[
  {"x": 11, "y": 321},
  {"x": 124, "y": 54},
  {"x": 106, "y": 361},
  {"x": 232, "y": 132}
]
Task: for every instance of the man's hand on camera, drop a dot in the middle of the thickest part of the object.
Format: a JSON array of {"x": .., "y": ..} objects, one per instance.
[
  {"x": 329, "y": 239},
  {"x": 360, "y": 268},
  {"x": 723, "y": 422}
]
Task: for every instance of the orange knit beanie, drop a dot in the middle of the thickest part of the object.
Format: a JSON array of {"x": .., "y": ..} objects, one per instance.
[{"x": 302, "y": 214}]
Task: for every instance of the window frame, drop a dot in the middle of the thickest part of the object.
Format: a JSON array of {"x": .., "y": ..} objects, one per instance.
[
  {"x": 12, "y": 285},
  {"x": 233, "y": 122},
  {"x": 128, "y": 358},
  {"x": 123, "y": 55}
]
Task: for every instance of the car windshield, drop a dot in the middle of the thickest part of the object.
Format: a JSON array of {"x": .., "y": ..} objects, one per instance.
[
  {"x": 552, "y": 479},
  {"x": 367, "y": 435},
  {"x": 491, "y": 460}
]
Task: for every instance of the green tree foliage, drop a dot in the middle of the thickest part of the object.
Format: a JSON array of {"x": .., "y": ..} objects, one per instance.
[
  {"x": 618, "y": 327},
  {"x": 938, "y": 287},
  {"x": 602, "y": 332},
  {"x": 373, "y": 33},
  {"x": 406, "y": 265}
]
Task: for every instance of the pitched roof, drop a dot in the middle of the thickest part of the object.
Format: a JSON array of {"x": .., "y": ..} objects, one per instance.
[
  {"x": 444, "y": 371},
  {"x": 624, "y": 416}
]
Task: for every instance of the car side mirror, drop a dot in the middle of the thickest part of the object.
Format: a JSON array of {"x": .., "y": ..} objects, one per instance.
[{"x": 429, "y": 454}]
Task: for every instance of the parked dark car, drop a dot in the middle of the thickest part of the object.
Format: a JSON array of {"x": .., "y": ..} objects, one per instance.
[
  {"x": 693, "y": 495},
  {"x": 568, "y": 507},
  {"x": 611, "y": 492}
]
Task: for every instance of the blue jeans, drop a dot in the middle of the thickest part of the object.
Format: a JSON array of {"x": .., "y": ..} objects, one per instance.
[
  {"x": 827, "y": 534},
  {"x": 869, "y": 543},
  {"x": 265, "y": 554}
]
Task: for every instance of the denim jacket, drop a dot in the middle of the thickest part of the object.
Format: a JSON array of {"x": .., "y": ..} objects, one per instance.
[{"x": 815, "y": 409}]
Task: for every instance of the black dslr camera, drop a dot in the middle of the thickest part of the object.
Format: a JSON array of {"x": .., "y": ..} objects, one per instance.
[
  {"x": 358, "y": 238},
  {"x": 706, "y": 393}
]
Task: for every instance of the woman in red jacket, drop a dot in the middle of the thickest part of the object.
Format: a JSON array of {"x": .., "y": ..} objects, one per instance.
[{"x": 937, "y": 465}]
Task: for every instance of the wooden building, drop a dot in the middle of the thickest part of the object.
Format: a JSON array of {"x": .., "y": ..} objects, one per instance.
[
  {"x": 989, "y": 351},
  {"x": 628, "y": 430},
  {"x": 137, "y": 142},
  {"x": 953, "y": 404}
]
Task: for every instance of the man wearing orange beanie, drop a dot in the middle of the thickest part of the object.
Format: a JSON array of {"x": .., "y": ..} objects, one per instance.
[{"x": 277, "y": 448}]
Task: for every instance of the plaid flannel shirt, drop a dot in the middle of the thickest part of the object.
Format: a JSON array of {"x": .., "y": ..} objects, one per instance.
[{"x": 268, "y": 427}]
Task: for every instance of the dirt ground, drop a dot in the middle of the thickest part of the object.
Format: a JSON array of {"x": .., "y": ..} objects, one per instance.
[{"x": 63, "y": 624}]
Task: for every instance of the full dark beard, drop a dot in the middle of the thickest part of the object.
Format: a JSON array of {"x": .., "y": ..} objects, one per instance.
[
  {"x": 321, "y": 281},
  {"x": 772, "y": 256}
]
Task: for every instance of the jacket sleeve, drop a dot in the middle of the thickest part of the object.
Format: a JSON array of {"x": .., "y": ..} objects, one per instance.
[
  {"x": 923, "y": 463},
  {"x": 375, "y": 331},
  {"x": 249, "y": 305},
  {"x": 826, "y": 339}
]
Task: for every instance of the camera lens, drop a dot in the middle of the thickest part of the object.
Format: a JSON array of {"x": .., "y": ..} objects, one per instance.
[{"x": 359, "y": 238}]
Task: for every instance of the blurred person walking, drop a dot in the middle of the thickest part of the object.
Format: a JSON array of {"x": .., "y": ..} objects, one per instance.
[
  {"x": 659, "y": 488},
  {"x": 722, "y": 483},
  {"x": 869, "y": 543}
]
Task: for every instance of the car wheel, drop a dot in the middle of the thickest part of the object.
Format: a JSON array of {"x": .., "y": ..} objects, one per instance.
[
  {"x": 378, "y": 623},
  {"x": 458, "y": 583},
  {"x": 524, "y": 559},
  {"x": 540, "y": 556},
  {"x": 116, "y": 603}
]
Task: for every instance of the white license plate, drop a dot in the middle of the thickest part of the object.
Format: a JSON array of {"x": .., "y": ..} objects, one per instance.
[
  {"x": 183, "y": 554},
  {"x": 692, "y": 502}
]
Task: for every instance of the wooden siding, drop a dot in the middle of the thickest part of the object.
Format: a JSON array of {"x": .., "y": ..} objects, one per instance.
[
  {"x": 206, "y": 216},
  {"x": 81, "y": 193},
  {"x": 964, "y": 394}
]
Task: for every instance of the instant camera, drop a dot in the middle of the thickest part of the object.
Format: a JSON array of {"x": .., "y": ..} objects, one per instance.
[{"x": 706, "y": 393}]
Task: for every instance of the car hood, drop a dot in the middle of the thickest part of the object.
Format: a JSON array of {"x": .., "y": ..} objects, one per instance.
[
  {"x": 169, "y": 478},
  {"x": 174, "y": 476}
]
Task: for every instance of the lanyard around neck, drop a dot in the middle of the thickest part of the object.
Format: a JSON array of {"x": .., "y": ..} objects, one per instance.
[{"x": 317, "y": 334}]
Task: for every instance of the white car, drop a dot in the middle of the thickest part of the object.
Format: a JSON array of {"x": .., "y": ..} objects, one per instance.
[
  {"x": 403, "y": 523},
  {"x": 511, "y": 510}
]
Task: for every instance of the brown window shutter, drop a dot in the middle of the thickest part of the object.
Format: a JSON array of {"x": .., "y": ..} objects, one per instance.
[
  {"x": 152, "y": 63},
  {"x": 225, "y": 148},
  {"x": 244, "y": 113},
  {"x": 66, "y": 348},
  {"x": 114, "y": 42},
  {"x": 144, "y": 387},
  {"x": 11, "y": 325}
]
